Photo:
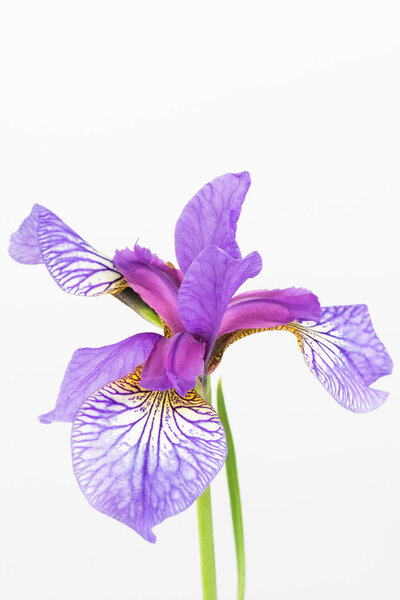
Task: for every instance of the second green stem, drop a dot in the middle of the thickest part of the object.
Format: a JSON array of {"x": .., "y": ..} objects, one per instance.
[{"x": 206, "y": 535}]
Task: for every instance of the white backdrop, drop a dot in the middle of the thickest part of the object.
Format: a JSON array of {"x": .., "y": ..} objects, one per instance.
[{"x": 113, "y": 114}]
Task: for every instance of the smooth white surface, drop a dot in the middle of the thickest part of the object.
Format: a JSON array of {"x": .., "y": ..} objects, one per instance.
[{"x": 113, "y": 114}]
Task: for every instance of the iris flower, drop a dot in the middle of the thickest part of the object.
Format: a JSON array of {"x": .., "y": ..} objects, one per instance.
[{"x": 145, "y": 444}]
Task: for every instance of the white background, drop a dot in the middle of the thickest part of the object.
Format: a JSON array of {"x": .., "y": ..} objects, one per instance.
[{"x": 113, "y": 114}]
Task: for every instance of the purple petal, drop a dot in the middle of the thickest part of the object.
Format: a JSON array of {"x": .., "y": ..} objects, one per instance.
[
  {"x": 92, "y": 368},
  {"x": 265, "y": 308},
  {"x": 345, "y": 354},
  {"x": 142, "y": 456},
  {"x": 24, "y": 247},
  {"x": 210, "y": 218},
  {"x": 175, "y": 362},
  {"x": 209, "y": 284},
  {"x": 155, "y": 281},
  {"x": 76, "y": 267}
]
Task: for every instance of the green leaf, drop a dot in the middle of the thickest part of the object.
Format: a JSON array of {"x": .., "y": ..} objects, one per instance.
[{"x": 234, "y": 494}]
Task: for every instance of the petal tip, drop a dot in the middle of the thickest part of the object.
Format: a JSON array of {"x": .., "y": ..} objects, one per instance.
[
  {"x": 44, "y": 419},
  {"x": 23, "y": 246},
  {"x": 245, "y": 175},
  {"x": 150, "y": 537}
]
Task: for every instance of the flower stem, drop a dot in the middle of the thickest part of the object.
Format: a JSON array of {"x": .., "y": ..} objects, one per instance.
[
  {"x": 234, "y": 493},
  {"x": 206, "y": 536},
  {"x": 206, "y": 539}
]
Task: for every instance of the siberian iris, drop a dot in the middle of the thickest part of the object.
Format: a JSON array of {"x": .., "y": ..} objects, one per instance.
[{"x": 145, "y": 444}]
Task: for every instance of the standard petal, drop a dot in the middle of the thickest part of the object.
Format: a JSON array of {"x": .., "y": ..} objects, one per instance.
[
  {"x": 210, "y": 218},
  {"x": 269, "y": 308},
  {"x": 75, "y": 266},
  {"x": 208, "y": 286},
  {"x": 155, "y": 281},
  {"x": 142, "y": 456},
  {"x": 175, "y": 362},
  {"x": 345, "y": 354},
  {"x": 92, "y": 368}
]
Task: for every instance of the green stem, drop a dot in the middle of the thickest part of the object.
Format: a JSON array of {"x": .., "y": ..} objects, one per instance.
[
  {"x": 234, "y": 493},
  {"x": 206, "y": 539},
  {"x": 206, "y": 536}
]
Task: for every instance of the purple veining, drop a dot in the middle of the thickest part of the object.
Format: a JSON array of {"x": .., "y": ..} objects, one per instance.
[
  {"x": 75, "y": 266},
  {"x": 142, "y": 456},
  {"x": 343, "y": 351}
]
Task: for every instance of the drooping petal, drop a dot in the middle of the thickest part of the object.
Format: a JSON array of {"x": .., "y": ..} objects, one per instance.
[
  {"x": 210, "y": 218},
  {"x": 269, "y": 308},
  {"x": 175, "y": 362},
  {"x": 208, "y": 286},
  {"x": 142, "y": 456},
  {"x": 75, "y": 266},
  {"x": 343, "y": 351},
  {"x": 157, "y": 282},
  {"x": 92, "y": 368}
]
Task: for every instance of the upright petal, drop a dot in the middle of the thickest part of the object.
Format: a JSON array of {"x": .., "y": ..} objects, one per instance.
[
  {"x": 269, "y": 308},
  {"x": 156, "y": 282},
  {"x": 75, "y": 266},
  {"x": 209, "y": 284},
  {"x": 142, "y": 456},
  {"x": 210, "y": 218},
  {"x": 343, "y": 351},
  {"x": 175, "y": 362},
  {"x": 92, "y": 368}
]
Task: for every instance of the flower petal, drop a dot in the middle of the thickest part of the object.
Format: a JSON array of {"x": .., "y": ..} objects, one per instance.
[
  {"x": 343, "y": 351},
  {"x": 76, "y": 267},
  {"x": 175, "y": 362},
  {"x": 142, "y": 456},
  {"x": 155, "y": 281},
  {"x": 210, "y": 218},
  {"x": 92, "y": 368},
  {"x": 24, "y": 247},
  {"x": 269, "y": 308},
  {"x": 209, "y": 284}
]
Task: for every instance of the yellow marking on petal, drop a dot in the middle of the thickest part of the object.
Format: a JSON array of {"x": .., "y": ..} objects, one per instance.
[
  {"x": 132, "y": 384},
  {"x": 117, "y": 287},
  {"x": 167, "y": 331}
]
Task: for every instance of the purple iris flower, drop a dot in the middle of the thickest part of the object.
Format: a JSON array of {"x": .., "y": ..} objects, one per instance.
[{"x": 145, "y": 444}]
